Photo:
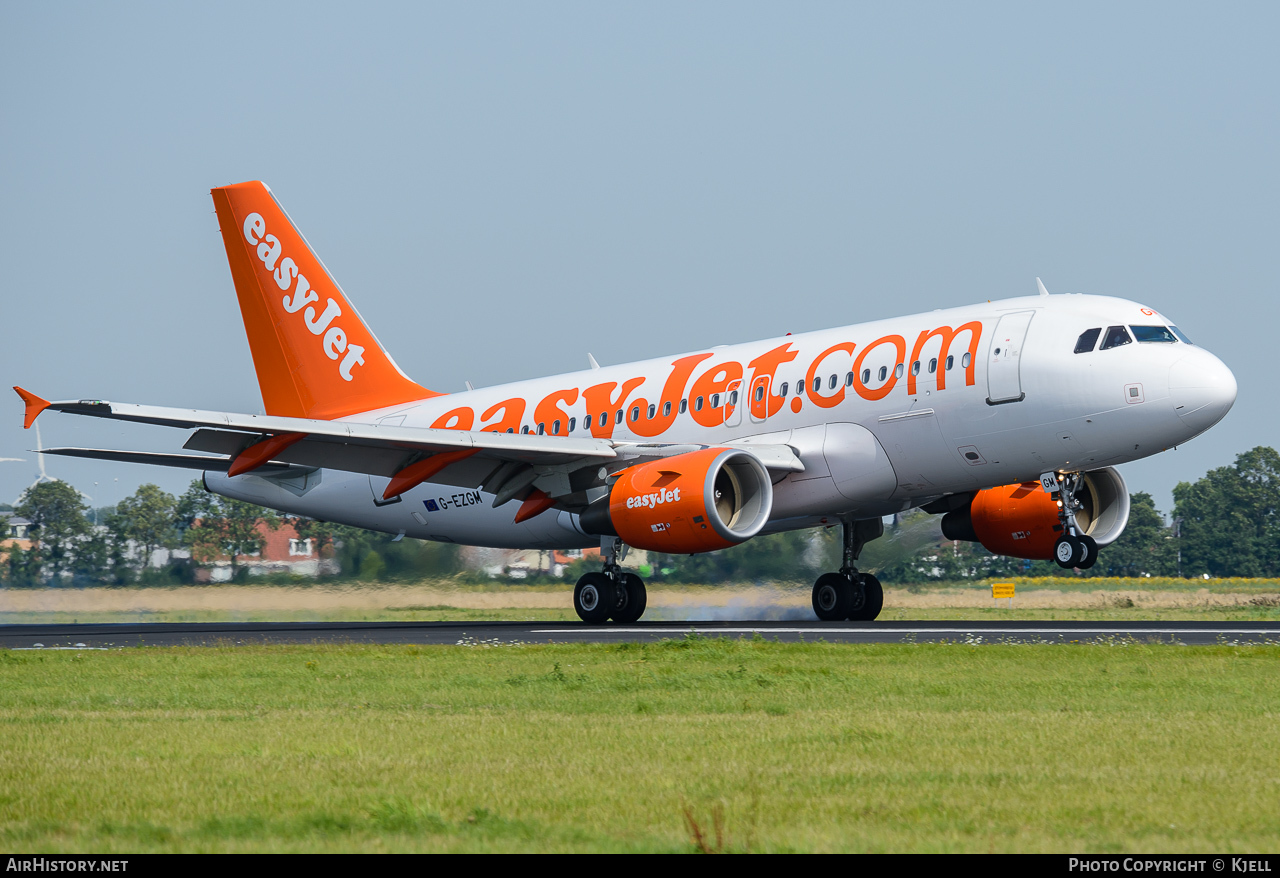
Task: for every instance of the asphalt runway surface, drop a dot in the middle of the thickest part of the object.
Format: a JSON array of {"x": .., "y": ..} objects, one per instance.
[{"x": 109, "y": 636}]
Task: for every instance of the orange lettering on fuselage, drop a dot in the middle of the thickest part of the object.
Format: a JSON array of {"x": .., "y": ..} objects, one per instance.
[
  {"x": 815, "y": 396},
  {"x": 714, "y": 380},
  {"x": 600, "y": 399},
  {"x": 766, "y": 366},
  {"x": 461, "y": 418},
  {"x": 880, "y": 392},
  {"x": 512, "y": 414},
  {"x": 948, "y": 335},
  {"x": 549, "y": 412},
  {"x": 668, "y": 406}
]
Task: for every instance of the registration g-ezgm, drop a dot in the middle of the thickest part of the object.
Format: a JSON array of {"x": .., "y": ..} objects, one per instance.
[{"x": 1136, "y": 864}]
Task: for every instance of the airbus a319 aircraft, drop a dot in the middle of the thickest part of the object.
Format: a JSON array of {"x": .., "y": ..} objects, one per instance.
[{"x": 1007, "y": 418}]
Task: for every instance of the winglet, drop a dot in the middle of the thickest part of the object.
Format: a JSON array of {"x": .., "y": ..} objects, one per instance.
[
  {"x": 1040, "y": 287},
  {"x": 35, "y": 405}
]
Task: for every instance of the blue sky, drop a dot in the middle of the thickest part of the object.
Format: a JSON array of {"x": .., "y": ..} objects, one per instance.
[{"x": 504, "y": 187}]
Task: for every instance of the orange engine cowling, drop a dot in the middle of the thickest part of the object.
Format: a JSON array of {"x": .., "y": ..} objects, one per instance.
[
  {"x": 1021, "y": 520},
  {"x": 698, "y": 501}
]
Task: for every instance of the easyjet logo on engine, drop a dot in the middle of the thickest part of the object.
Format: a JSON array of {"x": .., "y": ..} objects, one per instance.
[
  {"x": 333, "y": 338},
  {"x": 670, "y": 495}
]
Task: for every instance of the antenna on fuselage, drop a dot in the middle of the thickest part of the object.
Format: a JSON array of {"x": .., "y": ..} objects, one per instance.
[
  {"x": 592, "y": 361},
  {"x": 1040, "y": 287}
]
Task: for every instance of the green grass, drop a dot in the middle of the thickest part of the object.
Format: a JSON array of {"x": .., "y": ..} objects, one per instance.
[{"x": 812, "y": 747}]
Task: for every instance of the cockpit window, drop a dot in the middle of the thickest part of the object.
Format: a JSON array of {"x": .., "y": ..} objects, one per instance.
[
  {"x": 1116, "y": 336},
  {"x": 1087, "y": 339},
  {"x": 1180, "y": 334},
  {"x": 1153, "y": 333}
]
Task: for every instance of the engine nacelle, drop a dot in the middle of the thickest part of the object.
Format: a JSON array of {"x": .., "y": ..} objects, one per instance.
[
  {"x": 1021, "y": 520},
  {"x": 699, "y": 501}
]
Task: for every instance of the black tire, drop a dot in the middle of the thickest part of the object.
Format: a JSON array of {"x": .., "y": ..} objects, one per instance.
[
  {"x": 868, "y": 601},
  {"x": 1088, "y": 552},
  {"x": 1066, "y": 551},
  {"x": 832, "y": 596},
  {"x": 594, "y": 598},
  {"x": 632, "y": 599}
]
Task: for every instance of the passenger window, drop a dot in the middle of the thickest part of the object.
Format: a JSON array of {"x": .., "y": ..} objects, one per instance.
[
  {"x": 866, "y": 375},
  {"x": 884, "y": 372},
  {"x": 964, "y": 362},
  {"x": 848, "y": 380},
  {"x": 951, "y": 361},
  {"x": 832, "y": 382},
  {"x": 525, "y": 429},
  {"x": 1180, "y": 334},
  {"x": 1115, "y": 337},
  {"x": 573, "y": 424},
  {"x": 635, "y": 413},
  {"x": 759, "y": 393},
  {"x": 604, "y": 418},
  {"x": 653, "y": 410},
  {"x": 782, "y": 391},
  {"x": 733, "y": 398},
  {"x": 684, "y": 406},
  {"x": 817, "y": 384},
  {"x": 555, "y": 428},
  {"x": 542, "y": 428},
  {"x": 715, "y": 400},
  {"x": 1087, "y": 339},
  {"x": 618, "y": 419},
  {"x": 666, "y": 409},
  {"x": 915, "y": 368},
  {"x": 933, "y": 365},
  {"x": 799, "y": 388},
  {"x": 697, "y": 404},
  {"x": 1153, "y": 333},
  {"x": 897, "y": 371}
]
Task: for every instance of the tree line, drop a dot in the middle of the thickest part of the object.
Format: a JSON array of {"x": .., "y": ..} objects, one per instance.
[
  {"x": 68, "y": 547},
  {"x": 1224, "y": 524}
]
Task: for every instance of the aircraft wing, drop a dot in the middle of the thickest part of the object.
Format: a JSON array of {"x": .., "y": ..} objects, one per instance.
[{"x": 508, "y": 464}]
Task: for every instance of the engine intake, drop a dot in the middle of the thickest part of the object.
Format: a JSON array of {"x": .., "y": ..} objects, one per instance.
[
  {"x": 1021, "y": 520},
  {"x": 699, "y": 501}
]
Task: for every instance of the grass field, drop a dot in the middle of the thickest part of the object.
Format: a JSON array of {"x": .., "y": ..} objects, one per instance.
[
  {"x": 733, "y": 745},
  {"x": 1037, "y": 600}
]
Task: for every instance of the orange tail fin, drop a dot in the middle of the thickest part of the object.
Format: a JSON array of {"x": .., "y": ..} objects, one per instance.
[{"x": 314, "y": 356}]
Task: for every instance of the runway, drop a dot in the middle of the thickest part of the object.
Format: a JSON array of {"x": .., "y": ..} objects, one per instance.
[{"x": 220, "y": 634}]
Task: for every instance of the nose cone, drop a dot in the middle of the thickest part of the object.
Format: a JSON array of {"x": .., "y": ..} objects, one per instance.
[{"x": 1203, "y": 390}]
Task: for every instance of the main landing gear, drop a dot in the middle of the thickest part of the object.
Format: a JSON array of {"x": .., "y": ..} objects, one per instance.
[
  {"x": 1074, "y": 548},
  {"x": 611, "y": 594},
  {"x": 849, "y": 594}
]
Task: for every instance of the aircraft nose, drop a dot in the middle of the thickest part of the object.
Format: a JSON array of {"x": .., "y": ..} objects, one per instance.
[{"x": 1203, "y": 390}]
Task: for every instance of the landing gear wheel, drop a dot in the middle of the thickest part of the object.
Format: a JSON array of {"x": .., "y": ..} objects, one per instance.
[
  {"x": 594, "y": 598},
  {"x": 632, "y": 599},
  {"x": 1088, "y": 552},
  {"x": 832, "y": 597},
  {"x": 868, "y": 601},
  {"x": 1067, "y": 551}
]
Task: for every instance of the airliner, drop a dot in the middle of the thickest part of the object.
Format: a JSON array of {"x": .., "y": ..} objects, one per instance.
[{"x": 1007, "y": 418}]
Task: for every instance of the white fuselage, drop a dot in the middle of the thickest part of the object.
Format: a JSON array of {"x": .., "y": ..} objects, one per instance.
[{"x": 1014, "y": 402}]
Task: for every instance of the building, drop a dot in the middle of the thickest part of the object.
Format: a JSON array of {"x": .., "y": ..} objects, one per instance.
[{"x": 282, "y": 552}]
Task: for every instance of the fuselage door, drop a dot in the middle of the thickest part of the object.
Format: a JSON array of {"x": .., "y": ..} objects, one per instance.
[
  {"x": 758, "y": 404},
  {"x": 733, "y": 404},
  {"x": 1004, "y": 358}
]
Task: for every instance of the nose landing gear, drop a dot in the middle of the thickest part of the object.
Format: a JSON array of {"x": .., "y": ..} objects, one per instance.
[
  {"x": 849, "y": 594},
  {"x": 611, "y": 594},
  {"x": 1074, "y": 548}
]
